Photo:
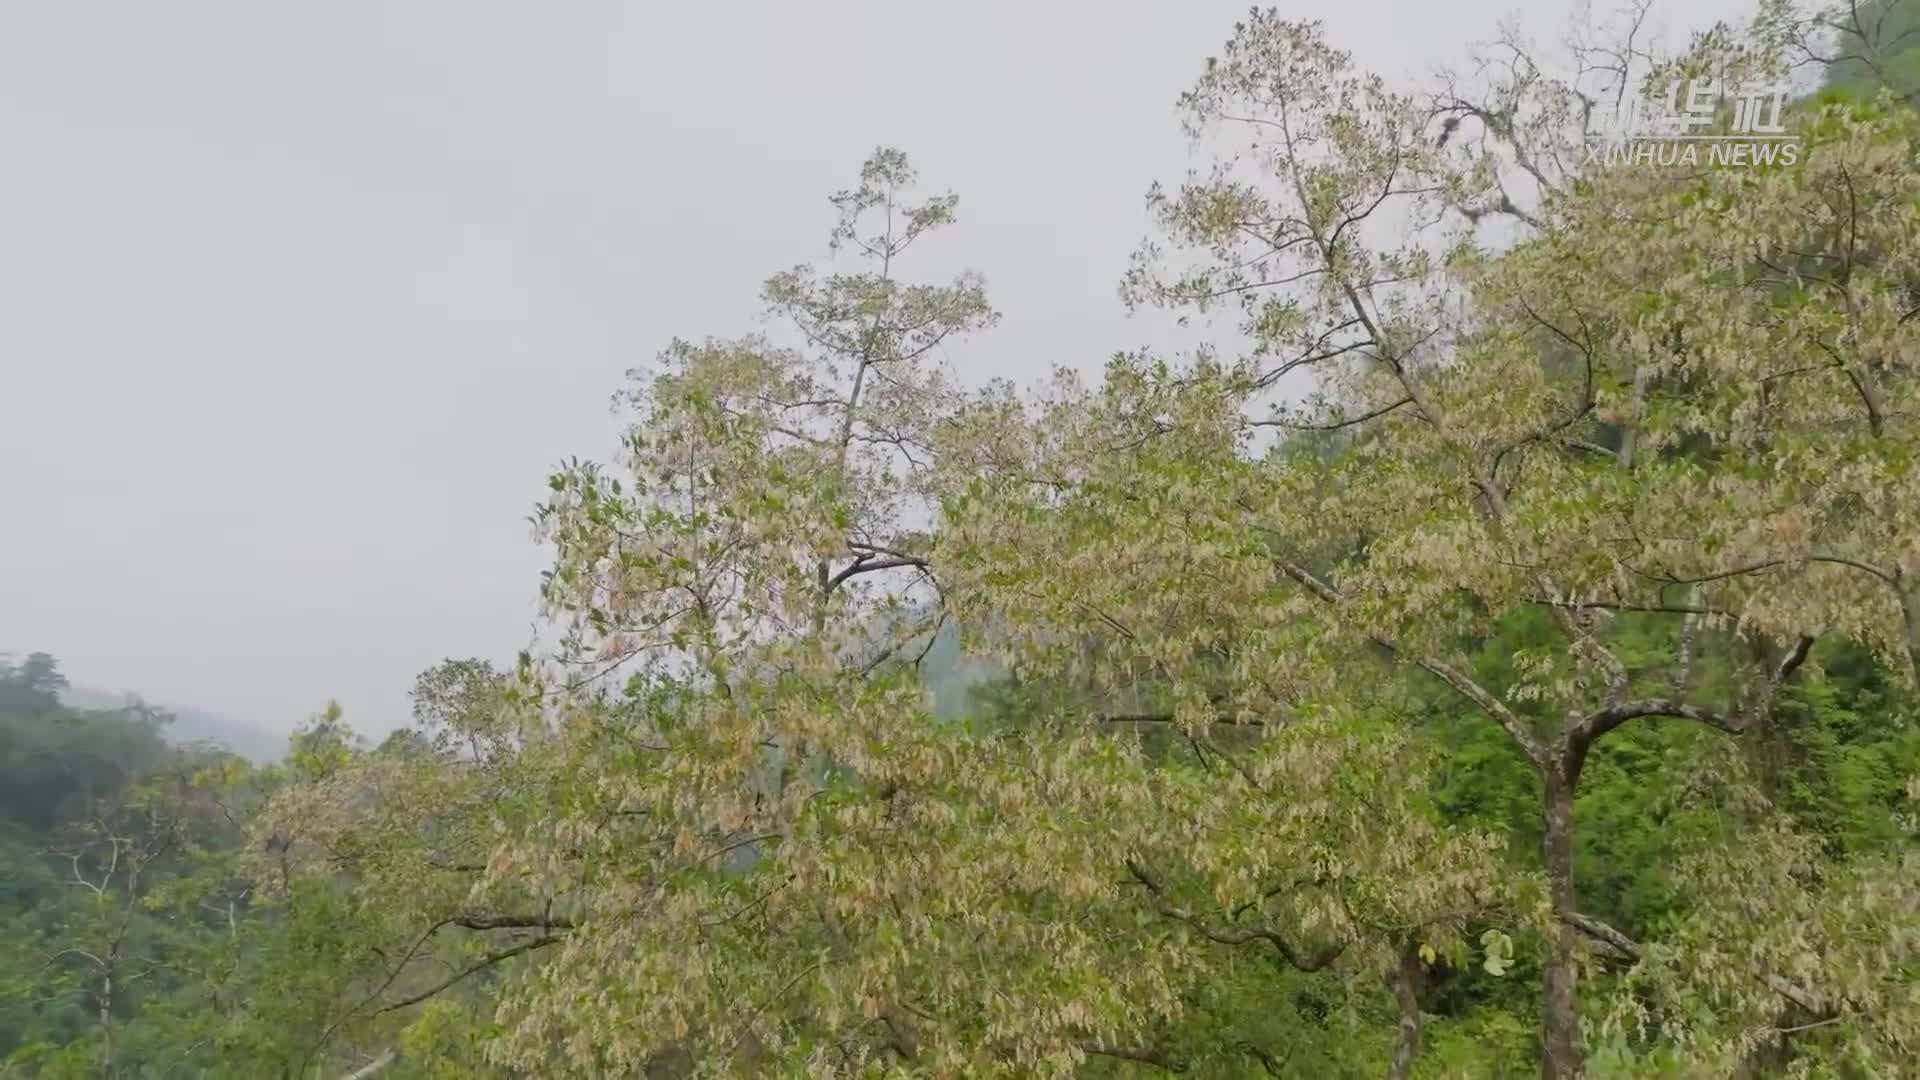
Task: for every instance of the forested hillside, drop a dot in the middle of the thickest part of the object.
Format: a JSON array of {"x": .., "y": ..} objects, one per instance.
[
  {"x": 1497, "y": 654},
  {"x": 186, "y": 725}
]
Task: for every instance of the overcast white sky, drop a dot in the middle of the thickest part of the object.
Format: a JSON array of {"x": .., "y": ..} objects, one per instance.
[{"x": 299, "y": 302}]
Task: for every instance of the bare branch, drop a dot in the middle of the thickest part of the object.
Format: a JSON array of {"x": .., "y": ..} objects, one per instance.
[
  {"x": 513, "y": 922},
  {"x": 1600, "y": 721},
  {"x": 1238, "y": 935},
  {"x": 1333, "y": 425},
  {"x": 486, "y": 962}
]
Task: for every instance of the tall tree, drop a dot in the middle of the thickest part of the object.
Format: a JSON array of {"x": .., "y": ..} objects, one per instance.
[{"x": 1677, "y": 397}]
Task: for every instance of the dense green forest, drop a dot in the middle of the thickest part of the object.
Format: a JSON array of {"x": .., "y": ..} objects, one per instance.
[{"x": 1533, "y": 691}]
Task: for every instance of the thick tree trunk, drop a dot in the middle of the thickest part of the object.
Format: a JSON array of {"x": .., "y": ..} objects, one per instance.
[
  {"x": 1407, "y": 979},
  {"x": 1559, "y": 1016},
  {"x": 1909, "y": 596}
]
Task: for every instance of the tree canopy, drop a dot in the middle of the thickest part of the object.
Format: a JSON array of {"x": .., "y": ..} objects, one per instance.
[{"x": 1495, "y": 653}]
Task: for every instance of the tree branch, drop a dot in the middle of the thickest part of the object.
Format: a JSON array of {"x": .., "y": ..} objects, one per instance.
[
  {"x": 1622, "y": 945},
  {"x": 484, "y": 963},
  {"x": 1600, "y": 721},
  {"x": 385, "y": 1059},
  {"x": 866, "y": 564},
  {"x": 1236, "y": 935},
  {"x": 1142, "y": 1054},
  {"x": 1628, "y": 949},
  {"x": 513, "y": 922},
  {"x": 1333, "y": 425}
]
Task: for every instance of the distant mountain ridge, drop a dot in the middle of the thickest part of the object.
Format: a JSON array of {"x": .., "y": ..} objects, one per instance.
[{"x": 189, "y": 725}]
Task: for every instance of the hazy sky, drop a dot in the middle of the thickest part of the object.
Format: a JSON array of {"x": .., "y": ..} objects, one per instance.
[{"x": 299, "y": 302}]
